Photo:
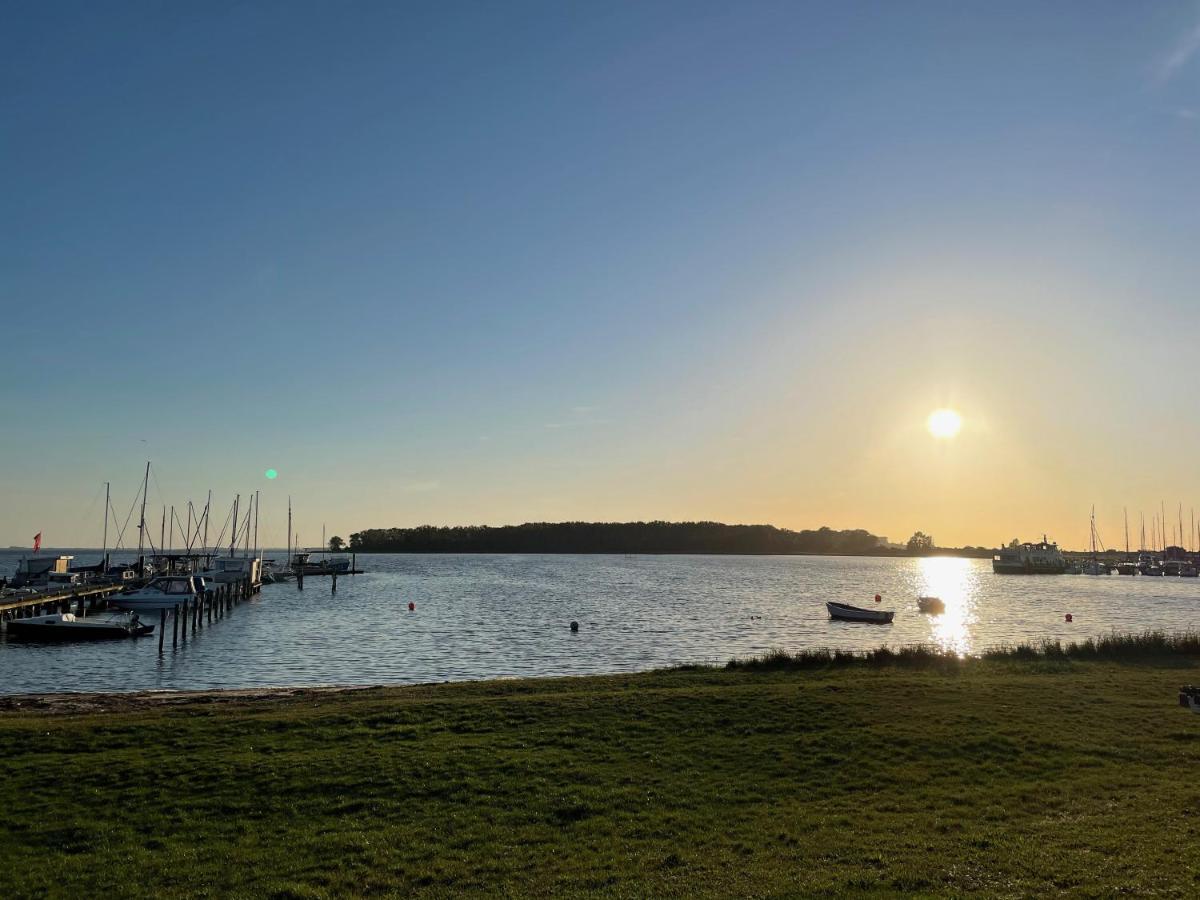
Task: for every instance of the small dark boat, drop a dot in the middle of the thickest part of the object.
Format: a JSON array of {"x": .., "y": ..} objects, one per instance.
[
  {"x": 67, "y": 627},
  {"x": 932, "y": 605},
  {"x": 857, "y": 614}
]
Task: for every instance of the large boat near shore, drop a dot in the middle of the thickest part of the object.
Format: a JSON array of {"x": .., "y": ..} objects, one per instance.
[{"x": 1043, "y": 558}]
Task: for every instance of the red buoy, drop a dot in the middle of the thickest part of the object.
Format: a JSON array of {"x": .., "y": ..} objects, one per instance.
[
  {"x": 411, "y": 606},
  {"x": 1069, "y": 618},
  {"x": 877, "y": 598}
]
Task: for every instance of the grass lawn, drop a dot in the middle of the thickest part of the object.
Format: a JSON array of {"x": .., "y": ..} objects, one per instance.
[{"x": 1004, "y": 777}]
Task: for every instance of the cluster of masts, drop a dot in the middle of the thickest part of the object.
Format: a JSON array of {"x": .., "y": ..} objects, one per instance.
[
  {"x": 1162, "y": 534},
  {"x": 240, "y": 525}
]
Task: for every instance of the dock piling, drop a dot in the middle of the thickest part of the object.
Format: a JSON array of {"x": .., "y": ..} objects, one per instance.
[
  {"x": 175, "y": 627},
  {"x": 162, "y": 629}
]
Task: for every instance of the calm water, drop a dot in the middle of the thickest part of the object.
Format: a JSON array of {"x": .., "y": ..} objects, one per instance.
[{"x": 499, "y": 616}]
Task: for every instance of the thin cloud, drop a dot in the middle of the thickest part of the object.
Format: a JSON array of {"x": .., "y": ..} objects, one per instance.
[
  {"x": 1188, "y": 114},
  {"x": 1181, "y": 55}
]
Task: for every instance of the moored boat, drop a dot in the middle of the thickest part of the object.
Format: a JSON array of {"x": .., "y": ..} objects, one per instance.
[
  {"x": 857, "y": 614},
  {"x": 165, "y": 592},
  {"x": 68, "y": 627},
  {"x": 1043, "y": 558},
  {"x": 932, "y": 605}
]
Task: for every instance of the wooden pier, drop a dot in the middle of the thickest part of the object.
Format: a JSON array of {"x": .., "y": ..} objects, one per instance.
[
  {"x": 64, "y": 601},
  {"x": 200, "y": 611}
]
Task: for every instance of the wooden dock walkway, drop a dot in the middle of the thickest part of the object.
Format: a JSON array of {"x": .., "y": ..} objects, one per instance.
[
  {"x": 63, "y": 601},
  {"x": 199, "y": 611}
]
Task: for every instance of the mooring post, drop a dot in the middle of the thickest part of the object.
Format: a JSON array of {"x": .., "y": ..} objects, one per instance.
[
  {"x": 300, "y": 578},
  {"x": 333, "y": 578},
  {"x": 353, "y": 564},
  {"x": 175, "y": 627},
  {"x": 183, "y": 624},
  {"x": 162, "y": 629}
]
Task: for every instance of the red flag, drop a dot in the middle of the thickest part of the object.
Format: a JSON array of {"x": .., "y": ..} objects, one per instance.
[{"x": 37, "y": 542}]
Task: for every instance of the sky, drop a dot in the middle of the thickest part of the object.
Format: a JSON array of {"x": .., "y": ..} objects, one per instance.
[{"x": 485, "y": 263}]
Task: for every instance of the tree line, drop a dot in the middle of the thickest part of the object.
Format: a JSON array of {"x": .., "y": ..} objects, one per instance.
[{"x": 617, "y": 537}]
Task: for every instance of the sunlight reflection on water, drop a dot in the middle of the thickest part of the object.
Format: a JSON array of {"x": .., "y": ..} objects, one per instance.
[{"x": 954, "y": 582}]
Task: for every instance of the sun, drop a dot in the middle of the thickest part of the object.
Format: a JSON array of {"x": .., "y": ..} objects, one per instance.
[{"x": 943, "y": 423}]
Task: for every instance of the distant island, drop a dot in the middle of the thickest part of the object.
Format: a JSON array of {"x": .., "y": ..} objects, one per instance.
[{"x": 645, "y": 537}]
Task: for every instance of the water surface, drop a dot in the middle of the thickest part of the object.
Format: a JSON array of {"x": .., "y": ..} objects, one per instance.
[{"x": 509, "y": 616}]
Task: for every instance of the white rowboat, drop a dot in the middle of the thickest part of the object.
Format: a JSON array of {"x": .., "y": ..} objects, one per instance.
[{"x": 858, "y": 614}]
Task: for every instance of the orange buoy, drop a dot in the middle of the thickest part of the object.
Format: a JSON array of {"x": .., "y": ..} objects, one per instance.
[
  {"x": 1070, "y": 618},
  {"x": 877, "y": 598},
  {"x": 411, "y": 606}
]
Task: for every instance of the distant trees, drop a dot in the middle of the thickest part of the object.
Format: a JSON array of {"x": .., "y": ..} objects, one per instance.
[
  {"x": 336, "y": 543},
  {"x": 617, "y": 537},
  {"x": 920, "y": 543}
]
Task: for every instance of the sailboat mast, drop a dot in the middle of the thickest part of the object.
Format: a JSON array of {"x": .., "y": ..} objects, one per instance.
[
  {"x": 206, "y": 508},
  {"x": 256, "y": 523},
  {"x": 233, "y": 537},
  {"x": 1126, "y": 531},
  {"x": 104, "y": 549},
  {"x": 142, "y": 520},
  {"x": 289, "y": 534}
]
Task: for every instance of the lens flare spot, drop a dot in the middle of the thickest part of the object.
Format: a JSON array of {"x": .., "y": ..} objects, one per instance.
[{"x": 272, "y": 474}]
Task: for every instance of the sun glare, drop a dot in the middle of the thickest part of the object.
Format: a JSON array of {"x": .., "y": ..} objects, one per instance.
[{"x": 944, "y": 423}]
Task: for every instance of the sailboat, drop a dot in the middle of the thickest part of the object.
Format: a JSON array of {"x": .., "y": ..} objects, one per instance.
[
  {"x": 1127, "y": 566},
  {"x": 1094, "y": 566}
]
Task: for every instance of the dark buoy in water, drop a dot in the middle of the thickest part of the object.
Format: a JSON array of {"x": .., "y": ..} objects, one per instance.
[
  {"x": 877, "y": 598},
  {"x": 1070, "y": 618},
  {"x": 574, "y": 626},
  {"x": 411, "y": 606}
]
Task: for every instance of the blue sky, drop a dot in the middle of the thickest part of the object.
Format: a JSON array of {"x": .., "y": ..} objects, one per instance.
[{"x": 501, "y": 262}]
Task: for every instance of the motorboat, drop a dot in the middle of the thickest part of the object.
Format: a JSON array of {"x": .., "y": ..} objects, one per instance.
[
  {"x": 1188, "y": 571},
  {"x": 858, "y": 614},
  {"x": 226, "y": 569},
  {"x": 1127, "y": 568},
  {"x": 68, "y": 627},
  {"x": 1096, "y": 567},
  {"x": 164, "y": 592},
  {"x": 932, "y": 605},
  {"x": 1043, "y": 558}
]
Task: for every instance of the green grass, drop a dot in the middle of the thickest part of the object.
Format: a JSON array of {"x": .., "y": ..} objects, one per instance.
[{"x": 1006, "y": 777}]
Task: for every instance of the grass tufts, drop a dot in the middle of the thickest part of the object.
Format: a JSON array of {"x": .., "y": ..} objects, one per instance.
[{"x": 1147, "y": 646}]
